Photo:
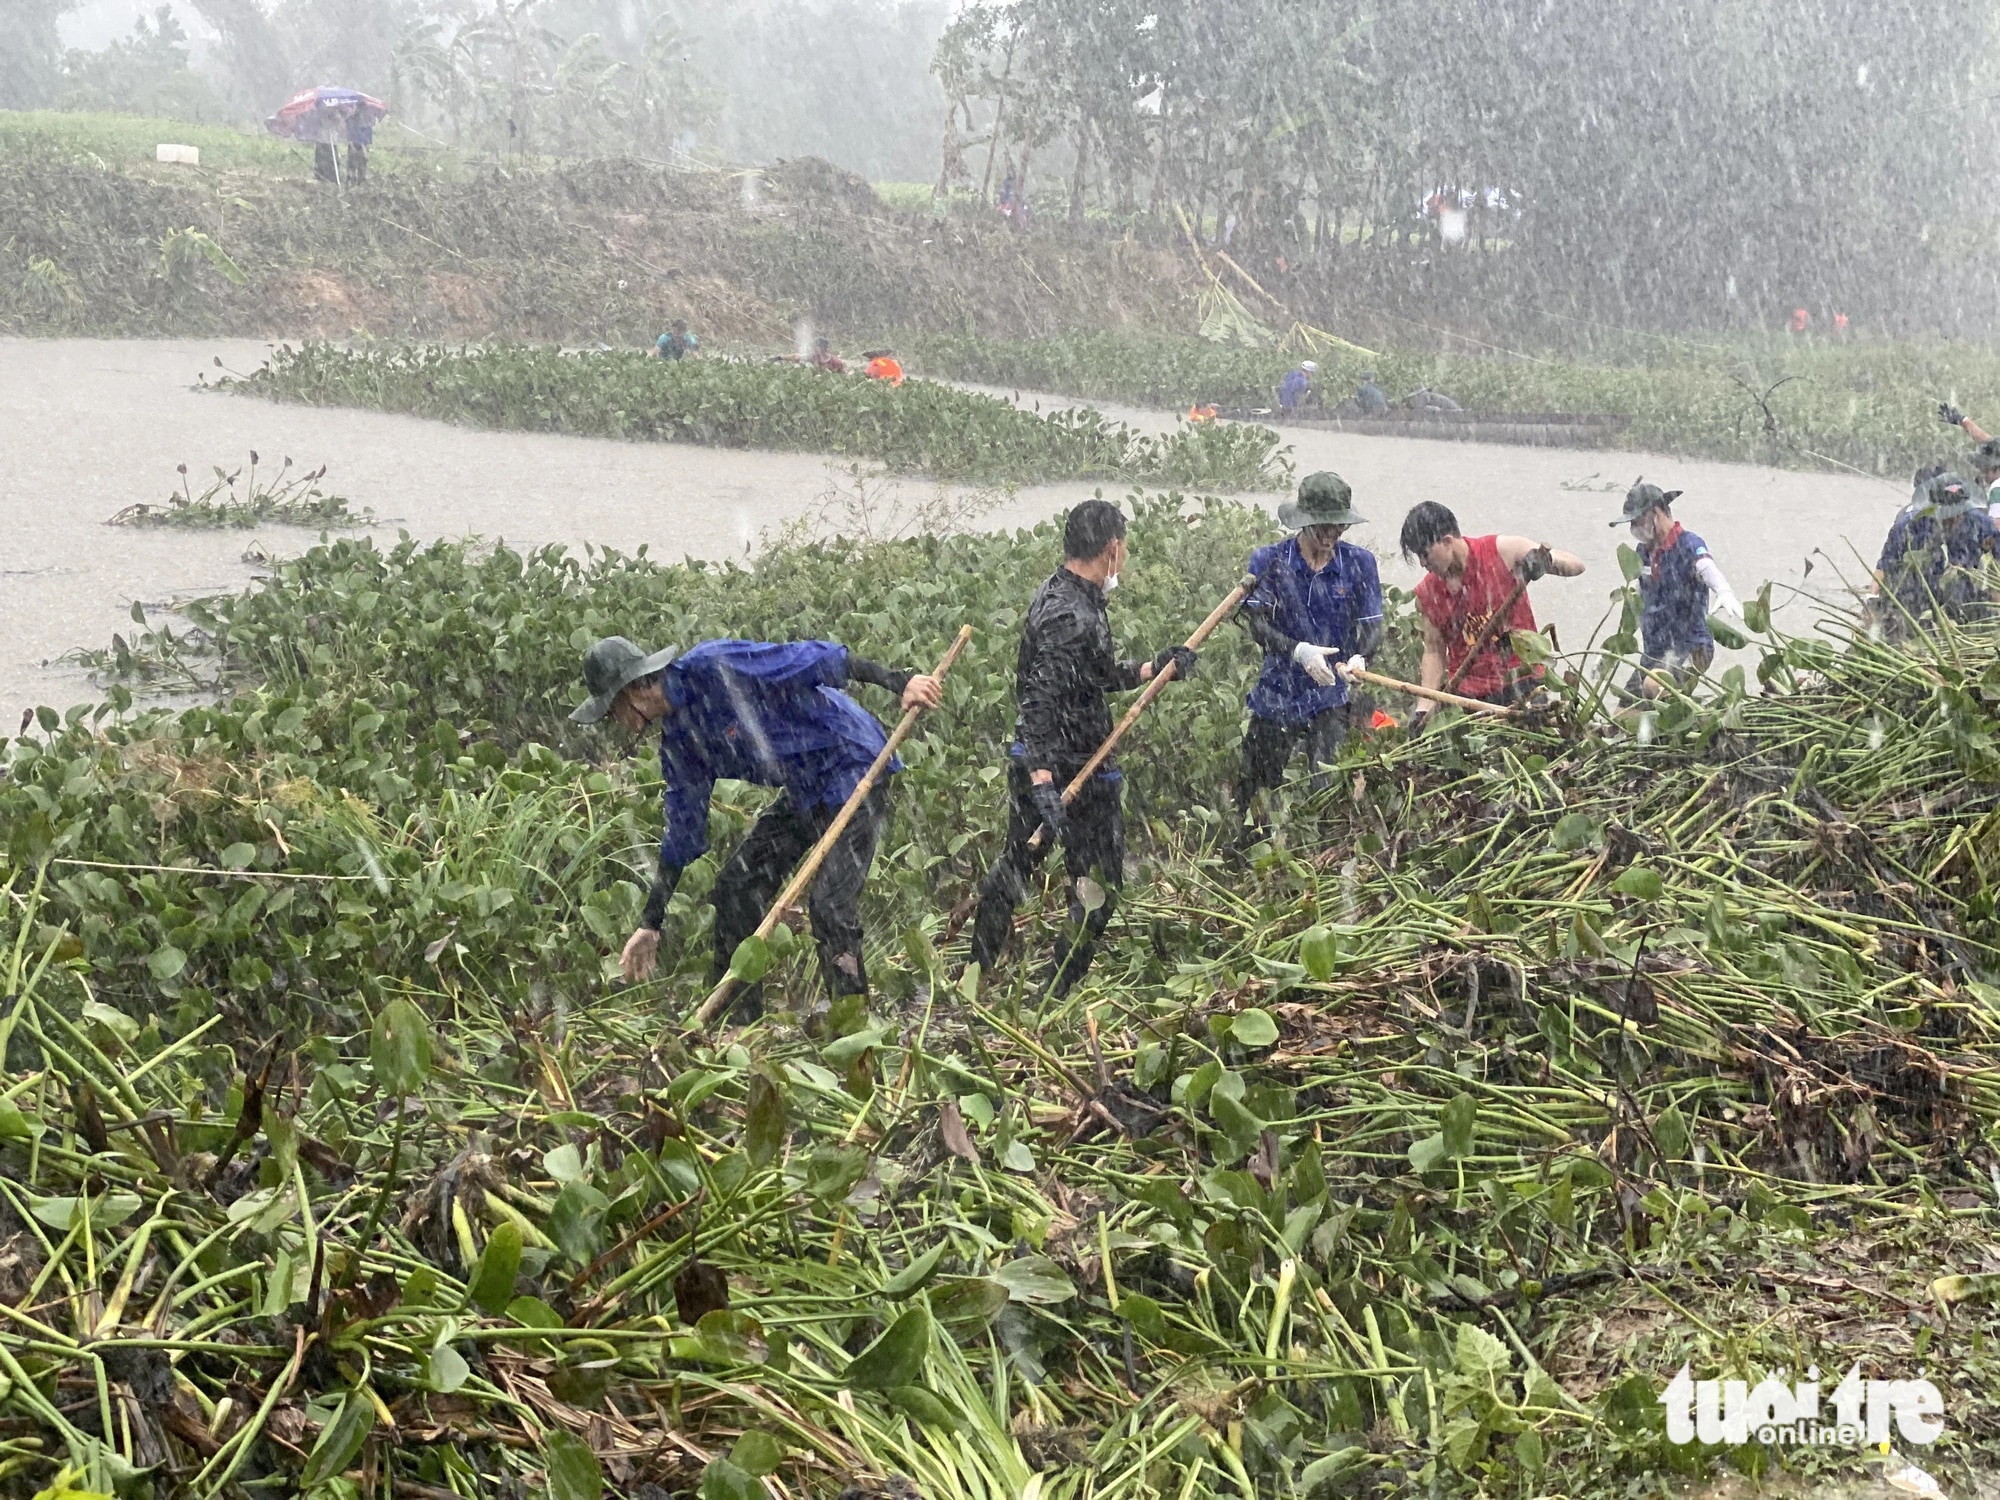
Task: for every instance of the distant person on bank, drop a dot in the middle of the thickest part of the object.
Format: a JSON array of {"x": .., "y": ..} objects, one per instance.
[
  {"x": 676, "y": 342},
  {"x": 1296, "y": 391}
]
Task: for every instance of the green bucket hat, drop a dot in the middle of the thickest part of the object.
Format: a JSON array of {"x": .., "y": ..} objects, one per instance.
[
  {"x": 1641, "y": 498},
  {"x": 1947, "y": 496},
  {"x": 1324, "y": 500},
  {"x": 611, "y": 666}
]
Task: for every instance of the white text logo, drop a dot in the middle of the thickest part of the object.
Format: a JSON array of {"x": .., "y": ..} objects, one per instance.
[{"x": 1733, "y": 1411}]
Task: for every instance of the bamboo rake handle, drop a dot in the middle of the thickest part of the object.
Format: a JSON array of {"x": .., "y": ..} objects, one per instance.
[
  {"x": 1151, "y": 691},
  {"x": 809, "y": 867},
  {"x": 1488, "y": 634},
  {"x": 1436, "y": 695}
]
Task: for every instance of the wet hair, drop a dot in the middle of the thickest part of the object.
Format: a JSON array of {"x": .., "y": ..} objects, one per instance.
[
  {"x": 1986, "y": 457},
  {"x": 1091, "y": 527},
  {"x": 1425, "y": 526}
]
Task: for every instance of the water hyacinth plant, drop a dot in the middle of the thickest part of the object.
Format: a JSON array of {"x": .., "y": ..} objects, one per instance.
[
  {"x": 284, "y": 498},
  {"x": 1410, "y": 1151},
  {"x": 918, "y": 426}
]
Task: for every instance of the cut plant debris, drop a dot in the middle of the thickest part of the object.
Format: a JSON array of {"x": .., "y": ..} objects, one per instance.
[{"x": 1412, "y": 1151}]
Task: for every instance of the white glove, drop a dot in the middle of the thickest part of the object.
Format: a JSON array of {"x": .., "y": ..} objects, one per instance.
[
  {"x": 1354, "y": 664},
  {"x": 1313, "y": 659},
  {"x": 1722, "y": 598}
]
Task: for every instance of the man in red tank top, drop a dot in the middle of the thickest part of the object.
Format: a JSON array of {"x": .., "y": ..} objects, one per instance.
[{"x": 1467, "y": 582}]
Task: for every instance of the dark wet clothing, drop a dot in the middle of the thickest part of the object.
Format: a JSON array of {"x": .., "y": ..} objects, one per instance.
[
  {"x": 1066, "y": 665},
  {"x": 1371, "y": 400},
  {"x": 1933, "y": 563},
  {"x": 751, "y": 879},
  {"x": 1268, "y": 747},
  {"x": 764, "y": 713},
  {"x": 1093, "y": 844}
]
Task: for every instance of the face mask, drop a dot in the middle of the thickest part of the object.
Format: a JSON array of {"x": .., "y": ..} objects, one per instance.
[{"x": 1111, "y": 583}]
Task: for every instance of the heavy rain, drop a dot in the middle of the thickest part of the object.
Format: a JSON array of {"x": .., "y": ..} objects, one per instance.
[{"x": 948, "y": 750}]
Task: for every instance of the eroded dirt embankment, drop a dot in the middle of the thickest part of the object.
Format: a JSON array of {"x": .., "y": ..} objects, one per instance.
[{"x": 592, "y": 251}]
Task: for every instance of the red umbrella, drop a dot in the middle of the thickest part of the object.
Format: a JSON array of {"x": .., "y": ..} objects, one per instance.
[{"x": 328, "y": 115}]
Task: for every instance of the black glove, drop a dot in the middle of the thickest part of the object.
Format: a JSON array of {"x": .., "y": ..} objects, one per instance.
[
  {"x": 1181, "y": 657},
  {"x": 1049, "y": 803},
  {"x": 1535, "y": 565},
  {"x": 1950, "y": 415},
  {"x": 1419, "y": 720}
]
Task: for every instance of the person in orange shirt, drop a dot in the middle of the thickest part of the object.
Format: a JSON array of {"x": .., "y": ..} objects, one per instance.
[{"x": 884, "y": 366}]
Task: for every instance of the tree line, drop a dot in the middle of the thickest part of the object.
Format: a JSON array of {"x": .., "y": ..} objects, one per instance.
[{"x": 1752, "y": 153}]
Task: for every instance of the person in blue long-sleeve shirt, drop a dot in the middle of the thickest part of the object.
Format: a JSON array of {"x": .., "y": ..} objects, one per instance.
[
  {"x": 1317, "y": 613},
  {"x": 773, "y": 715}
]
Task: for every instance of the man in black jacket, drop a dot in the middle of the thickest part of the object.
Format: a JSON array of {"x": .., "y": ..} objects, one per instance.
[{"x": 1066, "y": 667}]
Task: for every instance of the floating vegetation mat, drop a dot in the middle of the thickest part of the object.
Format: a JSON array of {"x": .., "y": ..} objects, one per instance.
[
  {"x": 1413, "y": 1151},
  {"x": 919, "y": 426}
]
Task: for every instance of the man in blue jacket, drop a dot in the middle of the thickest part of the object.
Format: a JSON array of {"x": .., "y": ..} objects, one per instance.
[
  {"x": 1317, "y": 613},
  {"x": 772, "y": 715}
]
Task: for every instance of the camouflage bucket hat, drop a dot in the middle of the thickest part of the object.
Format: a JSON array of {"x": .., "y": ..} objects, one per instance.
[
  {"x": 1324, "y": 500},
  {"x": 611, "y": 666},
  {"x": 1643, "y": 497}
]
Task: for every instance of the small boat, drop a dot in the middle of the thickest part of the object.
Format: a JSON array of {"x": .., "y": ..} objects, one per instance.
[{"x": 1551, "y": 429}]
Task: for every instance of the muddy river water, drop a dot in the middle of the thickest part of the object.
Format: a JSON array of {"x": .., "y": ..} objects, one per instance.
[{"x": 88, "y": 427}]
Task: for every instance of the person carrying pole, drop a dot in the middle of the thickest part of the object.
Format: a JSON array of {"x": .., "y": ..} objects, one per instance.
[
  {"x": 1473, "y": 596},
  {"x": 1317, "y": 610},
  {"x": 1680, "y": 586},
  {"x": 1066, "y": 668},
  {"x": 773, "y": 715}
]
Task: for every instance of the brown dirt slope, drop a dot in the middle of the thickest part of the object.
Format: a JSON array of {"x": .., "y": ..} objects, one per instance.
[{"x": 595, "y": 251}]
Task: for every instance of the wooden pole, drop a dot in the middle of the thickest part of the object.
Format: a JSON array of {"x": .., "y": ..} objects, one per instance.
[
  {"x": 1151, "y": 691},
  {"x": 1436, "y": 695},
  {"x": 802, "y": 879},
  {"x": 1488, "y": 633}
]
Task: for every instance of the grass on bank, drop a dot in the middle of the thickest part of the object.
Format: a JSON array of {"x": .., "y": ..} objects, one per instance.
[
  {"x": 920, "y": 426},
  {"x": 1814, "y": 403},
  {"x": 127, "y": 143},
  {"x": 1410, "y": 1154}
]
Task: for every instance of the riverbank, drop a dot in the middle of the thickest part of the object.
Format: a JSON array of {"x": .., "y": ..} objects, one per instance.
[{"x": 93, "y": 426}]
